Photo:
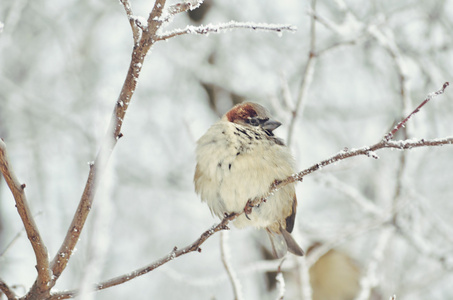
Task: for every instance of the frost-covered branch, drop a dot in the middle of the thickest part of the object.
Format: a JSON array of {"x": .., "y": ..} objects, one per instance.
[
  {"x": 194, "y": 247},
  {"x": 132, "y": 20},
  {"x": 182, "y": 7},
  {"x": 97, "y": 168},
  {"x": 368, "y": 151},
  {"x": 37, "y": 243},
  {"x": 427, "y": 99},
  {"x": 206, "y": 29}
]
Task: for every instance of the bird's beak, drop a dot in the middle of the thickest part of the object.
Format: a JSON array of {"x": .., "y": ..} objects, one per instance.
[{"x": 270, "y": 125}]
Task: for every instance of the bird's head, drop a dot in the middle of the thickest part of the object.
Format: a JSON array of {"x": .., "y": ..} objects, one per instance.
[{"x": 252, "y": 115}]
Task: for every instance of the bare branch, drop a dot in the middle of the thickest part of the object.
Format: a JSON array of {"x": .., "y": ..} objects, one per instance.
[
  {"x": 97, "y": 168},
  {"x": 17, "y": 189},
  {"x": 132, "y": 20},
  {"x": 401, "y": 124},
  {"x": 367, "y": 151},
  {"x": 154, "y": 19},
  {"x": 206, "y": 29},
  {"x": 9, "y": 293},
  {"x": 195, "y": 246}
]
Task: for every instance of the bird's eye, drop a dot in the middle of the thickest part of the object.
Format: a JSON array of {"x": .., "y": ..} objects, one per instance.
[{"x": 253, "y": 122}]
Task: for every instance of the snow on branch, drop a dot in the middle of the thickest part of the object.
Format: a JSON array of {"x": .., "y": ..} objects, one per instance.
[
  {"x": 182, "y": 7},
  {"x": 210, "y": 28}
]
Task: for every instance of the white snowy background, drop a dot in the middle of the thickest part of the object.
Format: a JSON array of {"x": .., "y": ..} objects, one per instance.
[{"x": 62, "y": 65}]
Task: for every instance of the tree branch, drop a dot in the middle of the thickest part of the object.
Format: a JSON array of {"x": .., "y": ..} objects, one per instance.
[
  {"x": 17, "y": 189},
  {"x": 132, "y": 20},
  {"x": 97, "y": 168},
  {"x": 195, "y": 246},
  {"x": 206, "y": 29},
  {"x": 401, "y": 124}
]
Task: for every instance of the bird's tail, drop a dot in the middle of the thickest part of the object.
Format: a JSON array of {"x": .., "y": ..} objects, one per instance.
[{"x": 282, "y": 242}]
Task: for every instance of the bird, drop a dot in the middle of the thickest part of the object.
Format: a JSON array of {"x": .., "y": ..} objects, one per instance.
[{"x": 238, "y": 159}]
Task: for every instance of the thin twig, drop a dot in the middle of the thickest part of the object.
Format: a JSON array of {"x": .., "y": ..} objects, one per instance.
[
  {"x": 97, "y": 168},
  {"x": 17, "y": 189},
  {"x": 182, "y": 7},
  {"x": 194, "y": 247},
  {"x": 366, "y": 151},
  {"x": 132, "y": 20},
  {"x": 390, "y": 135},
  {"x": 226, "y": 260},
  {"x": 206, "y": 29}
]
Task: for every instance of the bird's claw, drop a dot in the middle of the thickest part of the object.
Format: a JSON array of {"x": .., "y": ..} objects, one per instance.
[{"x": 248, "y": 209}]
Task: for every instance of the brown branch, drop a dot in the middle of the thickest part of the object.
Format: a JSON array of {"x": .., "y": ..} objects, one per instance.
[
  {"x": 9, "y": 293},
  {"x": 401, "y": 124},
  {"x": 194, "y": 247},
  {"x": 367, "y": 151},
  {"x": 154, "y": 19},
  {"x": 205, "y": 29},
  {"x": 97, "y": 168},
  {"x": 17, "y": 189},
  {"x": 133, "y": 21}
]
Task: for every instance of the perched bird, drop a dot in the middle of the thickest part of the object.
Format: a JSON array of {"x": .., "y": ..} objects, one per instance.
[{"x": 238, "y": 159}]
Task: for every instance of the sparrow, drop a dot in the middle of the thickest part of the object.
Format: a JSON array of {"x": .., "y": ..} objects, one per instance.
[{"x": 238, "y": 159}]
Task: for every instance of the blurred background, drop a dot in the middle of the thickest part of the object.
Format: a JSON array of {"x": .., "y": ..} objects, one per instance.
[{"x": 373, "y": 228}]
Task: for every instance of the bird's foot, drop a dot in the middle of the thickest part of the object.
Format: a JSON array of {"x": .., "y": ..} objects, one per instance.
[{"x": 248, "y": 209}]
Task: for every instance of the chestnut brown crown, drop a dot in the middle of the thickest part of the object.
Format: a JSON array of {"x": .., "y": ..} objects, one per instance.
[{"x": 253, "y": 115}]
